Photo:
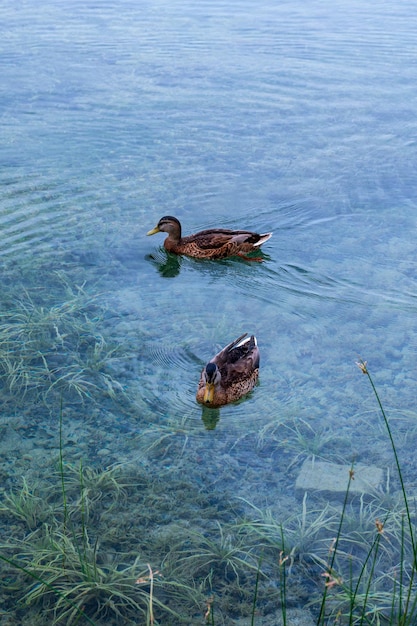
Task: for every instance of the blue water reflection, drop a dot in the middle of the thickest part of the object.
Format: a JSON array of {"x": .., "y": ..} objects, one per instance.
[{"x": 294, "y": 117}]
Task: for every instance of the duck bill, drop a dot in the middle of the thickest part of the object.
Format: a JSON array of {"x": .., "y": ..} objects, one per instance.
[
  {"x": 208, "y": 397},
  {"x": 153, "y": 231}
]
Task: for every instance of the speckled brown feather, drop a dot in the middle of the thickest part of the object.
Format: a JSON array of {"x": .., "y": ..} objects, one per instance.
[
  {"x": 239, "y": 369},
  {"x": 215, "y": 243}
]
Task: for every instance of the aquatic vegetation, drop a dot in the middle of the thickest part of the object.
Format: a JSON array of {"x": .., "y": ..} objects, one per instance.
[
  {"x": 88, "y": 485},
  {"x": 95, "y": 544},
  {"x": 218, "y": 555},
  {"x": 48, "y": 347},
  {"x": 364, "y": 556},
  {"x": 377, "y": 590},
  {"x": 26, "y": 505},
  {"x": 308, "y": 442},
  {"x": 360, "y": 521},
  {"x": 270, "y": 434},
  {"x": 222, "y": 564},
  {"x": 160, "y": 438},
  {"x": 73, "y": 567},
  {"x": 68, "y": 567},
  {"x": 301, "y": 538},
  {"x": 73, "y": 575},
  {"x": 371, "y": 589}
]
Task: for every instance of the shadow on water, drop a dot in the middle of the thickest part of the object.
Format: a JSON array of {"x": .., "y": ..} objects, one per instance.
[
  {"x": 210, "y": 417},
  {"x": 269, "y": 281},
  {"x": 169, "y": 265}
]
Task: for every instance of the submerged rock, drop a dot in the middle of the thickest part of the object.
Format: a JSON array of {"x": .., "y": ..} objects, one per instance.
[{"x": 334, "y": 479}]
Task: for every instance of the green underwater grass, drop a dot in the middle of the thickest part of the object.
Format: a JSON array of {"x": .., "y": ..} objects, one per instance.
[
  {"x": 367, "y": 579},
  {"x": 67, "y": 561},
  {"x": 50, "y": 349},
  {"x": 363, "y": 593},
  {"x": 59, "y": 564},
  {"x": 363, "y": 558},
  {"x": 370, "y": 597}
]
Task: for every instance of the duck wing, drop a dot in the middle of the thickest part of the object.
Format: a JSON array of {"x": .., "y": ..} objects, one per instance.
[
  {"x": 238, "y": 359},
  {"x": 219, "y": 237}
]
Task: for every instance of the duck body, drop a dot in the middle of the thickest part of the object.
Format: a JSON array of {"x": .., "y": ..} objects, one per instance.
[
  {"x": 231, "y": 374},
  {"x": 214, "y": 243}
]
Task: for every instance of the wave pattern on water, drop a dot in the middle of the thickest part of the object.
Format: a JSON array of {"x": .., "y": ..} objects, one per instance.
[
  {"x": 45, "y": 216},
  {"x": 294, "y": 117},
  {"x": 32, "y": 213},
  {"x": 284, "y": 117}
]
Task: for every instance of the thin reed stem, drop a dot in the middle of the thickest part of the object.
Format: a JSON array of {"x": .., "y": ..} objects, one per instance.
[
  {"x": 151, "y": 619},
  {"x": 333, "y": 549},
  {"x": 83, "y": 516},
  {"x": 61, "y": 473},
  {"x": 61, "y": 466},
  {"x": 283, "y": 579},
  {"x": 403, "y": 613},
  {"x": 363, "y": 367},
  {"x": 255, "y": 595},
  {"x": 400, "y": 599},
  {"x": 374, "y": 550}
]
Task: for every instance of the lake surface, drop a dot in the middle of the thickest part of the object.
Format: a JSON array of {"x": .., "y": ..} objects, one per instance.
[{"x": 292, "y": 117}]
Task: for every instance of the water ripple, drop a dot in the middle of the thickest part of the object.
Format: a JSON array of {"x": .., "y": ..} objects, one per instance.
[{"x": 43, "y": 216}]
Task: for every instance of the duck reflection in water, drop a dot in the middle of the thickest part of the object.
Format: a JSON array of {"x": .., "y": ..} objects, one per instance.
[
  {"x": 167, "y": 264},
  {"x": 210, "y": 417}
]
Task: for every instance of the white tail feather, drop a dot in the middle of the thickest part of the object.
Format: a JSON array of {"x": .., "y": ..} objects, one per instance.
[
  {"x": 245, "y": 340},
  {"x": 262, "y": 239}
]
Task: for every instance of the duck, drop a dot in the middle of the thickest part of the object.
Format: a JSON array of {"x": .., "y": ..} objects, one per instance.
[
  {"x": 231, "y": 374},
  {"x": 214, "y": 243}
]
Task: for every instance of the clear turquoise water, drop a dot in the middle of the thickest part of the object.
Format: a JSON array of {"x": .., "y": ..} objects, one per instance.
[{"x": 296, "y": 117}]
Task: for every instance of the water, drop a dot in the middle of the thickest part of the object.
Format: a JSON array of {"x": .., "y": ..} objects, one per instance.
[{"x": 293, "y": 117}]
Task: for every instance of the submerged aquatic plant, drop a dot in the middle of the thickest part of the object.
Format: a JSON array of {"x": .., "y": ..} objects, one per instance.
[
  {"x": 68, "y": 567},
  {"x": 365, "y": 554},
  {"x": 221, "y": 554},
  {"x": 222, "y": 564},
  {"x": 72, "y": 575},
  {"x": 300, "y": 538},
  {"x": 47, "y": 347},
  {"x": 299, "y": 438},
  {"x": 174, "y": 433},
  {"x": 379, "y": 590},
  {"x": 26, "y": 505},
  {"x": 85, "y": 486}
]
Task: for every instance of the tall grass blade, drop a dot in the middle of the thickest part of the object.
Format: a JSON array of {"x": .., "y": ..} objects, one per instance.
[
  {"x": 409, "y": 605},
  {"x": 333, "y": 549},
  {"x": 283, "y": 579},
  {"x": 255, "y": 595}
]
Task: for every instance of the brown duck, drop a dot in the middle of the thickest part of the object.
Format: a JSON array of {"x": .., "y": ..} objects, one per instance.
[
  {"x": 215, "y": 243},
  {"x": 231, "y": 374}
]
